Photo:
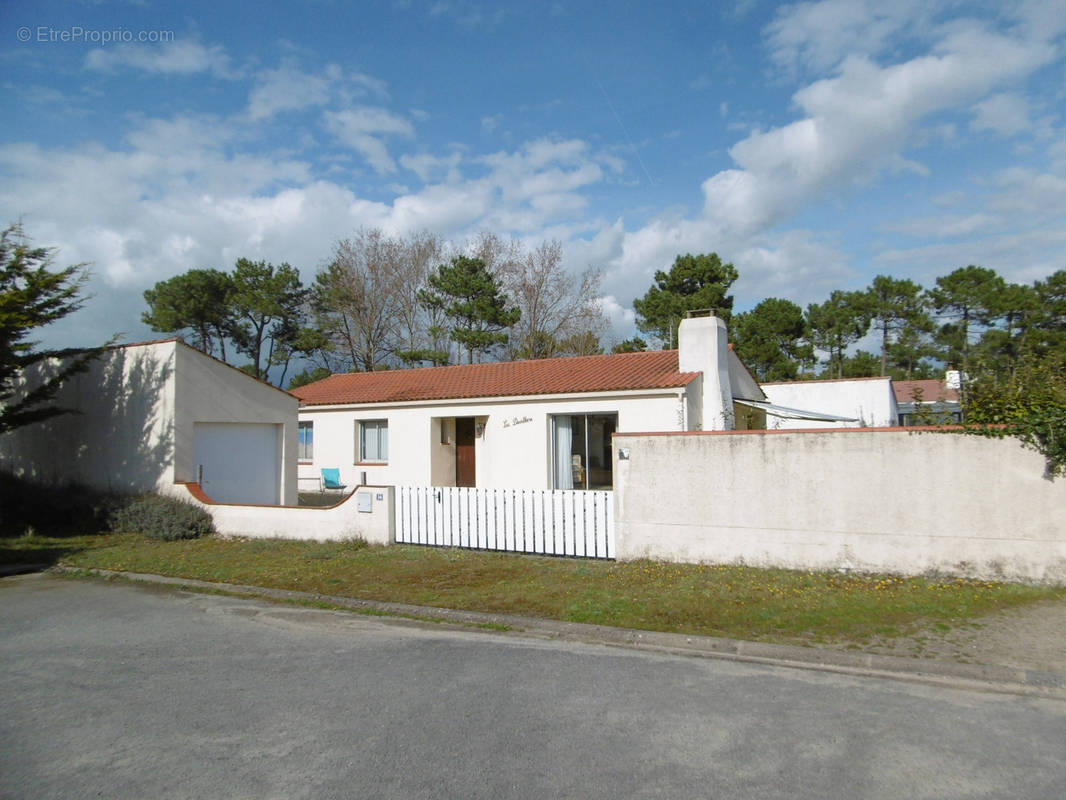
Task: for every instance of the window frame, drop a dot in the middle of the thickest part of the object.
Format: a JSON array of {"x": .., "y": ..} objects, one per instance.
[
  {"x": 585, "y": 466},
  {"x": 378, "y": 425},
  {"x": 305, "y": 450}
]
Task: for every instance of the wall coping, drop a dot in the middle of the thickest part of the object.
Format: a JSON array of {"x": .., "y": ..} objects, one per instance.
[
  {"x": 197, "y": 491},
  {"x": 892, "y": 429}
]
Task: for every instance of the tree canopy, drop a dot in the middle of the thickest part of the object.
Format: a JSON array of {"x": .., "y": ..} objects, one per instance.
[
  {"x": 560, "y": 312},
  {"x": 693, "y": 283},
  {"x": 197, "y": 301},
  {"x": 967, "y": 299},
  {"x": 470, "y": 297},
  {"x": 836, "y": 324},
  {"x": 33, "y": 295},
  {"x": 1028, "y": 404},
  {"x": 899, "y": 311},
  {"x": 770, "y": 339}
]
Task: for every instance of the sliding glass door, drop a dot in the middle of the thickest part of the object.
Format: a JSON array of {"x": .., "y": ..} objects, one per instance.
[{"x": 581, "y": 451}]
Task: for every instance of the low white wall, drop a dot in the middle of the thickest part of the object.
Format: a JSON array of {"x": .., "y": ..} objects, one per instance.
[
  {"x": 339, "y": 522},
  {"x": 871, "y": 500}
]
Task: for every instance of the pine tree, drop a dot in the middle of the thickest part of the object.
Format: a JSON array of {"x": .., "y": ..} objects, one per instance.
[
  {"x": 469, "y": 295},
  {"x": 31, "y": 296}
]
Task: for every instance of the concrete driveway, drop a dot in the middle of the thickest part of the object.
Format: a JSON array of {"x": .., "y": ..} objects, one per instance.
[{"x": 116, "y": 690}]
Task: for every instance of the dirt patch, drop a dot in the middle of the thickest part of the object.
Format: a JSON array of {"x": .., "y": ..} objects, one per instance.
[{"x": 1033, "y": 637}]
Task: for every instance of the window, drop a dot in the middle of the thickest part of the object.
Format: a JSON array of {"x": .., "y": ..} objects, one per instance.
[
  {"x": 581, "y": 451},
  {"x": 373, "y": 440},
  {"x": 306, "y": 449}
]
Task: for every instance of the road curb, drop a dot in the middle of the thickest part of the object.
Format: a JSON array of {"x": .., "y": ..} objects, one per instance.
[{"x": 1013, "y": 680}]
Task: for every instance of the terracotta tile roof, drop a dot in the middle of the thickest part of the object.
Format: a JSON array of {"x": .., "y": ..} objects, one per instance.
[
  {"x": 932, "y": 391},
  {"x": 619, "y": 372}
]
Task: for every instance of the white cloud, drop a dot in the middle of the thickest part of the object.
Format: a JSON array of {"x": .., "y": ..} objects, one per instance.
[
  {"x": 619, "y": 314},
  {"x": 1004, "y": 114},
  {"x": 288, "y": 88},
  {"x": 948, "y": 226},
  {"x": 369, "y": 84},
  {"x": 180, "y": 57},
  {"x": 181, "y": 193},
  {"x": 1028, "y": 192},
  {"x": 818, "y": 36},
  {"x": 857, "y": 122},
  {"x": 428, "y": 167},
  {"x": 1021, "y": 256},
  {"x": 363, "y": 128}
]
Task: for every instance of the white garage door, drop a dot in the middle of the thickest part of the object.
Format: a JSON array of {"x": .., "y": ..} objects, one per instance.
[{"x": 238, "y": 462}]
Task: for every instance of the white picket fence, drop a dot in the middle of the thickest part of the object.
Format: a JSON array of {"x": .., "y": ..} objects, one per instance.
[{"x": 551, "y": 522}]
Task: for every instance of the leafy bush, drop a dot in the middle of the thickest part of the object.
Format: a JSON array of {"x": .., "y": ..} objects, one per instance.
[
  {"x": 164, "y": 518},
  {"x": 1029, "y": 405}
]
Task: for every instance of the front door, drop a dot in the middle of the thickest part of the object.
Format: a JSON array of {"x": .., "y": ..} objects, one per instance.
[{"x": 464, "y": 451}]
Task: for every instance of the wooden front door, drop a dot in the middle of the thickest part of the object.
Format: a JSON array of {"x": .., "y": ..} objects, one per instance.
[{"x": 464, "y": 451}]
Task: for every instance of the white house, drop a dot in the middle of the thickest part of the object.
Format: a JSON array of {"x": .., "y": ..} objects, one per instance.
[
  {"x": 840, "y": 403},
  {"x": 152, "y": 415},
  {"x": 543, "y": 423}
]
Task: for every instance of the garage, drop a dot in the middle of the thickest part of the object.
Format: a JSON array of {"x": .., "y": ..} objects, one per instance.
[{"x": 238, "y": 462}]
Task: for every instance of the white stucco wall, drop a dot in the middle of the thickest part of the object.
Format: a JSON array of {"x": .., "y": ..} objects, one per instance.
[
  {"x": 209, "y": 391},
  {"x": 870, "y": 500},
  {"x": 121, "y": 437},
  {"x": 134, "y": 430},
  {"x": 374, "y": 521},
  {"x": 869, "y": 400},
  {"x": 515, "y": 450}
]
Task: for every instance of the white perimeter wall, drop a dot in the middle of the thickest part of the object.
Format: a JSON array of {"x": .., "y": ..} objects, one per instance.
[
  {"x": 870, "y": 500},
  {"x": 515, "y": 450},
  {"x": 869, "y": 400},
  {"x": 368, "y": 513}
]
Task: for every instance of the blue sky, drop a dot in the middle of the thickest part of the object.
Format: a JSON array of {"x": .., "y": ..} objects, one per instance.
[{"x": 813, "y": 144}]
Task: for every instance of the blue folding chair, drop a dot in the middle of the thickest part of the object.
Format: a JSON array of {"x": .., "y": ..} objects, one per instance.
[{"x": 331, "y": 480}]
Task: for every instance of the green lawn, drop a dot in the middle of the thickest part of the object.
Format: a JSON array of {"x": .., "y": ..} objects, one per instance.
[{"x": 736, "y": 602}]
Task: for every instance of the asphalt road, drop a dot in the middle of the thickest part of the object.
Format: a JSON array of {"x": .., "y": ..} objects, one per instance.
[{"x": 114, "y": 690}]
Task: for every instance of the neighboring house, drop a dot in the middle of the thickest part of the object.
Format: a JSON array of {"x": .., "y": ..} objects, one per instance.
[
  {"x": 840, "y": 403},
  {"x": 541, "y": 424},
  {"x": 929, "y": 402},
  {"x": 148, "y": 416}
]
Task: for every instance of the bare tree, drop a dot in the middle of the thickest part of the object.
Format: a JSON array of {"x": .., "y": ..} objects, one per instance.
[
  {"x": 355, "y": 303},
  {"x": 561, "y": 311},
  {"x": 422, "y": 332}
]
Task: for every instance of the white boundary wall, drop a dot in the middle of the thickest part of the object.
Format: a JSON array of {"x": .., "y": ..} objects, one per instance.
[
  {"x": 889, "y": 500},
  {"x": 368, "y": 513}
]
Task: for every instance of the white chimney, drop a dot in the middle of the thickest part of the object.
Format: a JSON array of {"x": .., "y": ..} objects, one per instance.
[{"x": 703, "y": 346}]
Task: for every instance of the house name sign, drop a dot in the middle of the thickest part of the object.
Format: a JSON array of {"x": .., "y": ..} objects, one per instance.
[{"x": 507, "y": 423}]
